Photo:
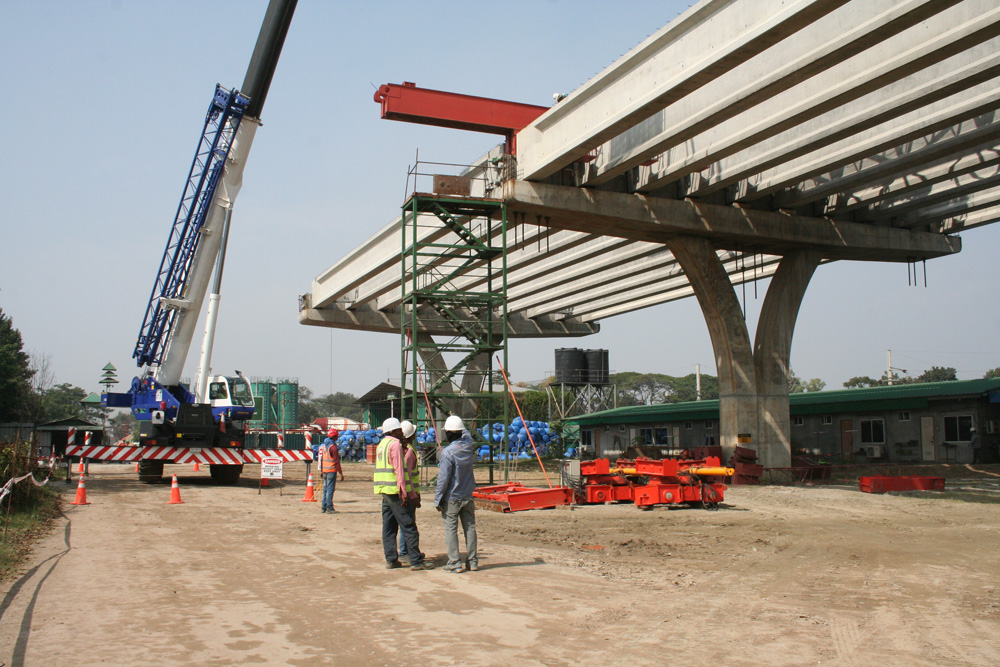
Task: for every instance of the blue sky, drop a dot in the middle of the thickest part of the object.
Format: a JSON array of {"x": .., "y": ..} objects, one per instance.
[{"x": 102, "y": 103}]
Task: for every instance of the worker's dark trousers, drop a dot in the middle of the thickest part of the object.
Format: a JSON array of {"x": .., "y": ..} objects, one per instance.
[{"x": 395, "y": 516}]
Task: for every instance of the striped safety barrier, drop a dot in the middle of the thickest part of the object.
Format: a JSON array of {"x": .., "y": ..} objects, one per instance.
[
  {"x": 217, "y": 455},
  {"x": 286, "y": 455},
  {"x": 102, "y": 453}
]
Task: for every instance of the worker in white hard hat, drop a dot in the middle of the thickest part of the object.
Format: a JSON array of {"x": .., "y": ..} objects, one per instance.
[
  {"x": 410, "y": 459},
  {"x": 453, "y": 497},
  {"x": 394, "y": 484}
]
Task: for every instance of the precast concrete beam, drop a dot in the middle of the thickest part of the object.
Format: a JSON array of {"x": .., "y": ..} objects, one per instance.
[
  {"x": 957, "y": 190},
  {"x": 649, "y": 292},
  {"x": 888, "y": 189},
  {"x": 977, "y": 218},
  {"x": 658, "y": 220},
  {"x": 699, "y": 46},
  {"x": 908, "y": 157},
  {"x": 630, "y": 259},
  {"x": 365, "y": 318},
  {"x": 806, "y": 56},
  {"x": 933, "y": 214},
  {"x": 908, "y": 71},
  {"x": 821, "y": 164}
]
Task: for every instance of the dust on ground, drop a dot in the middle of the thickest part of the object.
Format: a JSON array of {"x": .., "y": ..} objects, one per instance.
[{"x": 779, "y": 575}]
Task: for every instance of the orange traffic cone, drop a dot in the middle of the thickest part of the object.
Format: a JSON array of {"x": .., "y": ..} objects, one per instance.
[
  {"x": 137, "y": 466},
  {"x": 310, "y": 496},
  {"x": 175, "y": 492},
  {"x": 81, "y": 493},
  {"x": 79, "y": 467},
  {"x": 196, "y": 468}
]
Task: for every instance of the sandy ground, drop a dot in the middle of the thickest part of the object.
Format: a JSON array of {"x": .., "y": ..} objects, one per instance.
[{"x": 778, "y": 576}]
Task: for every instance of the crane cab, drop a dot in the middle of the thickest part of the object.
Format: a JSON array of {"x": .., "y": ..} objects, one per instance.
[{"x": 231, "y": 398}]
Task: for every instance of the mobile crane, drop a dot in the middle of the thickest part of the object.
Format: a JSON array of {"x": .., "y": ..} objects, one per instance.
[{"x": 176, "y": 424}]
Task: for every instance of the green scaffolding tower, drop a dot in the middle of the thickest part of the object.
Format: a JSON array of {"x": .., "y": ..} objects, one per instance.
[{"x": 454, "y": 308}]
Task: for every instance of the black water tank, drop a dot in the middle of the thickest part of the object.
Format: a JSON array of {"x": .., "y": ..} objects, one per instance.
[
  {"x": 571, "y": 366},
  {"x": 597, "y": 367}
]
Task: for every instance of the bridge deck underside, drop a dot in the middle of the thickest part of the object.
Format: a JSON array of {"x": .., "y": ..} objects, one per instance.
[{"x": 866, "y": 129}]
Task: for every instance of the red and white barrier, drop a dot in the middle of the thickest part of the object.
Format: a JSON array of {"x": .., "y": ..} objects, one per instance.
[{"x": 217, "y": 455}]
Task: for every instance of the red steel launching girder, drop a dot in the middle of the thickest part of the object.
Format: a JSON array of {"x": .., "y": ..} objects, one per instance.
[{"x": 461, "y": 112}]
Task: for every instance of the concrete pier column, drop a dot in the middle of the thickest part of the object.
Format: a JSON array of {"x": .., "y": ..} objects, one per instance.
[
  {"x": 730, "y": 339},
  {"x": 772, "y": 351},
  {"x": 437, "y": 367}
]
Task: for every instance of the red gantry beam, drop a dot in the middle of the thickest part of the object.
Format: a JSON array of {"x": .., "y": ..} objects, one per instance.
[{"x": 408, "y": 103}]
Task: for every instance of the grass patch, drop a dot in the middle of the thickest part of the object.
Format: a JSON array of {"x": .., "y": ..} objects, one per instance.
[{"x": 21, "y": 528}]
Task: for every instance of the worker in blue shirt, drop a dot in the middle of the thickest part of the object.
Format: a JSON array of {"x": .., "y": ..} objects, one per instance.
[{"x": 453, "y": 496}]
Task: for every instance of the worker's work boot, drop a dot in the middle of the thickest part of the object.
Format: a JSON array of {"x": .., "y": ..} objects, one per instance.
[{"x": 422, "y": 566}]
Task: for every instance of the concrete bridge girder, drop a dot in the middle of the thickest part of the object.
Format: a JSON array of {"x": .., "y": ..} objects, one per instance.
[
  {"x": 696, "y": 48},
  {"x": 823, "y": 158},
  {"x": 732, "y": 151},
  {"x": 820, "y": 68}
]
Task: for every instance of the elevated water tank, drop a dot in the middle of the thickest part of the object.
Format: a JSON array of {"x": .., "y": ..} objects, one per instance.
[
  {"x": 597, "y": 367},
  {"x": 571, "y": 366}
]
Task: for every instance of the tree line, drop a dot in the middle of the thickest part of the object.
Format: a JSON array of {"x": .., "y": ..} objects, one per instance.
[{"x": 29, "y": 395}]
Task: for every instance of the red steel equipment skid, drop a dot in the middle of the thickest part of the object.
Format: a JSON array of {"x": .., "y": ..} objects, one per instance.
[
  {"x": 648, "y": 482},
  {"x": 515, "y": 497}
]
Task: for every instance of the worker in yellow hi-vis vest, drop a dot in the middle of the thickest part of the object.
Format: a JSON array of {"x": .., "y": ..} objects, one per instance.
[
  {"x": 394, "y": 484},
  {"x": 411, "y": 460}
]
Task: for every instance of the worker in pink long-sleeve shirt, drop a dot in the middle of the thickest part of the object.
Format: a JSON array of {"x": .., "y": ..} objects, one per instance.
[{"x": 394, "y": 483}]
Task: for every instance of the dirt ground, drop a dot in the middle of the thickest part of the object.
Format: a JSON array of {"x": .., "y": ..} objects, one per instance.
[{"x": 778, "y": 576}]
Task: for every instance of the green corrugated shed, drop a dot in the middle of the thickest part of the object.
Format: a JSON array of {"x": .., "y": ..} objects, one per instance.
[{"x": 897, "y": 397}]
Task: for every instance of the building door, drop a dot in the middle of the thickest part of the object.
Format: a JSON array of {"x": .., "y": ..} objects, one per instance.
[
  {"x": 846, "y": 438},
  {"x": 927, "y": 438}
]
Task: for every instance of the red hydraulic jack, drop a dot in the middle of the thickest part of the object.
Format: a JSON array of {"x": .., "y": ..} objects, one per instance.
[{"x": 648, "y": 482}]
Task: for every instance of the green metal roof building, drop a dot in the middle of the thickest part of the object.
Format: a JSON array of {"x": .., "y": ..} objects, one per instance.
[{"x": 930, "y": 421}]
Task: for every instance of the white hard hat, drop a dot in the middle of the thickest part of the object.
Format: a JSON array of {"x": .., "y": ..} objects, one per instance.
[
  {"x": 408, "y": 429},
  {"x": 390, "y": 424},
  {"x": 454, "y": 423}
]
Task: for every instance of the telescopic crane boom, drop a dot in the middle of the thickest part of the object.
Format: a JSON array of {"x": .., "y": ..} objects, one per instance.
[{"x": 170, "y": 414}]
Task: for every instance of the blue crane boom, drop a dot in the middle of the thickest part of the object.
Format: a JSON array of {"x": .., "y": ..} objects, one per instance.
[{"x": 221, "y": 123}]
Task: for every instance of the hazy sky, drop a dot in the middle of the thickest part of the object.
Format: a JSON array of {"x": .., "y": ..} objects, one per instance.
[{"x": 101, "y": 105}]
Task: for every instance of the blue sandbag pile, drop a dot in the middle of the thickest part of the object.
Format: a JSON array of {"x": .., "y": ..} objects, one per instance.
[
  {"x": 546, "y": 439},
  {"x": 353, "y": 444}
]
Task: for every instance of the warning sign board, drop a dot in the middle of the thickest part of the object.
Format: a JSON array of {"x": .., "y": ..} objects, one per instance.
[
  {"x": 271, "y": 468},
  {"x": 744, "y": 438}
]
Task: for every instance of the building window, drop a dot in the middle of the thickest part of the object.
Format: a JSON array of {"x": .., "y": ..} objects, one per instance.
[
  {"x": 688, "y": 424},
  {"x": 587, "y": 438},
  {"x": 647, "y": 435},
  {"x": 709, "y": 424},
  {"x": 872, "y": 431},
  {"x": 958, "y": 428},
  {"x": 798, "y": 421},
  {"x": 663, "y": 436},
  {"x": 621, "y": 427},
  {"x": 827, "y": 420},
  {"x": 904, "y": 416}
]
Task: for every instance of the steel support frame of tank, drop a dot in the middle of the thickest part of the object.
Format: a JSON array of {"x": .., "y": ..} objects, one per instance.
[{"x": 453, "y": 376}]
